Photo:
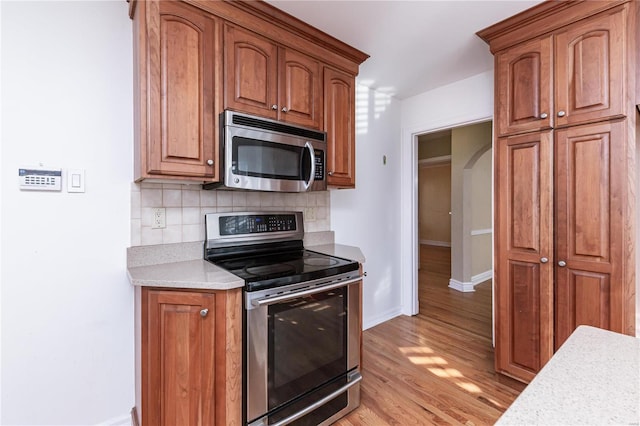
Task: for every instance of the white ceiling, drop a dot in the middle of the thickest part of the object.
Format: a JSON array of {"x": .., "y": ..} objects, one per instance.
[{"x": 414, "y": 46}]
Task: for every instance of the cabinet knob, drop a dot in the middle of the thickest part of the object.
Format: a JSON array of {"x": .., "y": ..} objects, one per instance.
[
  {"x": 274, "y": 107},
  {"x": 204, "y": 312},
  {"x": 285, "y": 109},
  {"x": 330, "y": 173},
  {"x": 562, "y": 263},
  {"x": 561, "y": 113},
  {"x": 544, "y": 115},
  {"x": 210, "y": 162},
  {"x": 544, "y": 260}
]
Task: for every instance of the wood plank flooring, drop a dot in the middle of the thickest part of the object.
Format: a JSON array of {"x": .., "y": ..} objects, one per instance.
[{"x": 435, "y": 367}]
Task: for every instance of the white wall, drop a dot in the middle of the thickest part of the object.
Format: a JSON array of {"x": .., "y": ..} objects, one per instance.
[
  {"x": 368, "y": 216},
  {"x": 67, "y": 305},
  {"x": 464, "y": 102}
]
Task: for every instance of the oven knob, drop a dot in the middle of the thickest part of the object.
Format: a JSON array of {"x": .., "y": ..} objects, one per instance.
[
  {"x": 204, "y": 312},
  {"x": 236, "y": 180}
]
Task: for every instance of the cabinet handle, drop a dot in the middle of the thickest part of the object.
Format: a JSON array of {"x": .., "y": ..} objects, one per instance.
[
  {"x": 562, "y": 263},
  {"x": 274, "y": 107},
  {"x": 561, "y": 113},
  {"x": 210, "y": 162},
  {"x": 330, "y": 173},
  {"x": 285, "y": 109},
  {"x": 204, "y": 312},
  {"x": 544, "y": 115},
  {"x": 544, "y": 260}
]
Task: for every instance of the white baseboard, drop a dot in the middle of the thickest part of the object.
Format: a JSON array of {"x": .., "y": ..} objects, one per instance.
[
  {"x": 468, "y": 286},
  {"x": 124, "y": 420},
  {"x": 436, "y": 243},
  {"x": 465, "y": 287},
  {"x": 380, "y": 318},
  {"x": 482, "y": 277}
]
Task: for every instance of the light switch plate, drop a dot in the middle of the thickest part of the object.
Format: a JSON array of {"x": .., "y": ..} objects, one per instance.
[{"x": 75, "y": 180}]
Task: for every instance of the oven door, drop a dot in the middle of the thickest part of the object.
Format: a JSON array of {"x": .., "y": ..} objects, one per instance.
[{"x": 303, "y": 353}]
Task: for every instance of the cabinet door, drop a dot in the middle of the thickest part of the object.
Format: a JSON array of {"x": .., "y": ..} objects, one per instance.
[
  {"x": 590, "y": 201},
  {"x": 339, "y": 123},
  {"x": 590, "y": 69},
  {"x": 524, "y": 87},
  {"x": 181, "y": 348},
  {"x": 524, "y": 246},
  {"x": 251, "y": 64},
  {"x": 300, "y": 100},
  {"x": 182, "y": 82}
]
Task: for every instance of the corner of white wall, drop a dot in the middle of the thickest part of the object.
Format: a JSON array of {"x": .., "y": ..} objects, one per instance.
[{"x": 367, "y": 216}]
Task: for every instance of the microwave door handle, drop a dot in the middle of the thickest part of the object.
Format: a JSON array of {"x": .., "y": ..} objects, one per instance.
[{"x": 312, "y": 158}]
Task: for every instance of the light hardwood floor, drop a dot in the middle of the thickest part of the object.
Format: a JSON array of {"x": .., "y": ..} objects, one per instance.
[{"x": 435, "y": 367}]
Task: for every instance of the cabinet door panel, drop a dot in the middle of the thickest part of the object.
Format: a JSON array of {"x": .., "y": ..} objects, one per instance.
[
  {"x": 251, "y": 73},
  {"x": 182, "y": 356},
  {"x": 524, "y": 321},
  {"x": 524, "y": 299},
  {"x": 340, "y": 122},
  {"x": 300, "y": 89},
  {"x": 182, "y": 103},
  {"x": 590, "y": 191},
  {"x": 523, "y": 87},
  {"x": 590, "y": 69}
]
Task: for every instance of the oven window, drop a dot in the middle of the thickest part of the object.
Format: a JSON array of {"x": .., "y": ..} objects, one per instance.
[
  {"x": 307, "y": 344},
  {"x": 252, "y": 157}
]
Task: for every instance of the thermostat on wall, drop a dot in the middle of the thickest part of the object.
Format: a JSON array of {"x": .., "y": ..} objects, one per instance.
[{"x": 40, "y": 179}]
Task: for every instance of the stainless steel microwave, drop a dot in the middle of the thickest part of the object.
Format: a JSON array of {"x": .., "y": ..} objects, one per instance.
[{"x": 268, "y": 155}]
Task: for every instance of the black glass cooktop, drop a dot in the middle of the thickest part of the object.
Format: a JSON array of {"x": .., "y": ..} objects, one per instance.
[{"x": 285, "y": 268}]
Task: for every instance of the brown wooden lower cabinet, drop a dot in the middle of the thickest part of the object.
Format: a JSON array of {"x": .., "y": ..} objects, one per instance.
[
  {"x": 188, "y": 357},
  {"x": 561, "y": 199}
]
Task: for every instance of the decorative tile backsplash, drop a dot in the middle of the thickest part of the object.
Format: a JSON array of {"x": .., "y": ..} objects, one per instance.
[{"x": 186, "y": 206}]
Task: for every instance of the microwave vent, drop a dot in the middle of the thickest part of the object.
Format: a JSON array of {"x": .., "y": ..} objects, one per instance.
[{"x": 277, "y": 127}]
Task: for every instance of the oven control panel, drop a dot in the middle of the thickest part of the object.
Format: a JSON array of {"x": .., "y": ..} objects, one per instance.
[{"x": 257, "y": 224}]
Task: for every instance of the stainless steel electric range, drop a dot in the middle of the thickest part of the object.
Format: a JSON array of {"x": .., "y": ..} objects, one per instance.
[{"x": 301, "y": 319}]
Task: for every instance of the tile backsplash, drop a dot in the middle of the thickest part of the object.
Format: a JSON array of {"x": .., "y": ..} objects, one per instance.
[{"x": 186, "y": 206}]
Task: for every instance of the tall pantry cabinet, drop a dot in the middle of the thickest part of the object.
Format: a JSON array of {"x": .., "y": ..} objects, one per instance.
[{"x": 565, "y": 147}]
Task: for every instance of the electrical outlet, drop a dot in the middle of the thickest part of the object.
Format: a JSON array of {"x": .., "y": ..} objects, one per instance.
[{"x": 159, "y": 218}]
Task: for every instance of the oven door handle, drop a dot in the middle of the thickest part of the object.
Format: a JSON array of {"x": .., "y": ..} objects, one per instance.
[
  {"x": 356, "y": 379},
  {"x": 275, "y": 299}
]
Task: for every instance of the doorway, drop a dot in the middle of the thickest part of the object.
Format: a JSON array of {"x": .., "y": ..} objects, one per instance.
[{"x": 454, "y": 226}]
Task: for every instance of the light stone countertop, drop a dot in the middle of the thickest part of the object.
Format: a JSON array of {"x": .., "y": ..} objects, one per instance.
[
  {"x": 593, "y": 379},
  {"x": 178, "y": 271}
]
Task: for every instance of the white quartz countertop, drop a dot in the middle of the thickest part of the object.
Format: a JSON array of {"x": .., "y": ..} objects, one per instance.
[
  {"x": 200, "y": 274},
  {"x": 593, "y": 379}
]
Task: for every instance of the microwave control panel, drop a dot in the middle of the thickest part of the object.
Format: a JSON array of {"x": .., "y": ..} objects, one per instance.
[{"x": 319, "y": 155}]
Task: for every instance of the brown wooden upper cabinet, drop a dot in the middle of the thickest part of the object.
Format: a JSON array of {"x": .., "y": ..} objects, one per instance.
[
  {"x": 194, "y": 59},
  {"x": 340, "y": 123},
  {"x": 177, "y": 86},
  {"x": 272, "y": 81},
  {"x": 574, "y": 75}
]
